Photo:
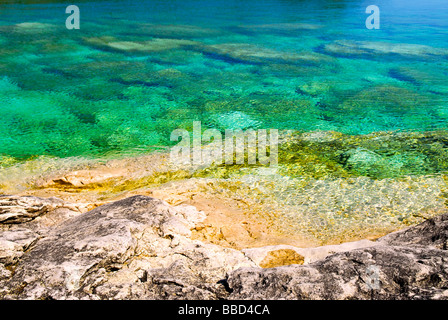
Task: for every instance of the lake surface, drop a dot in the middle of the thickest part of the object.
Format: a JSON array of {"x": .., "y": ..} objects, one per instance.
[
  {"x": 366, "y": 109},
  {"x": 135, "y": 71}
]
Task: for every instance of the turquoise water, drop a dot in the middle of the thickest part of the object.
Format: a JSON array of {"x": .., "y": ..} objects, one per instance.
[
  {"x": 136, "y": 71},
  {"x": 368, "y": 108}
]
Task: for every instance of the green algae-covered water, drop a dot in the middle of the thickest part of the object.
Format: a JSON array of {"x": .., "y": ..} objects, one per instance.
[{"x": 368, "y": 108}]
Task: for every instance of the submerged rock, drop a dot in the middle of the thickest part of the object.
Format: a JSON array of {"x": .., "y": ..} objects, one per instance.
[
  {"x": 432, "y": 79},
  {"x": 383, "y": 98},
  {"x": 254, "y": 54},
  {"x": 154, "y": 45},
  {"x": 234, "y": 121},
  {"x": 373, "y": 49},
  {"x": 314, "y": 89},
  {"x": 361, "y": 159},
  {"x": 34, "y": 26},
  {"x": 369, "y": 163},
  {"x": 173, "y": 31},
  {"x": 28, "y": 28},
  {"x": 84, "y": 178}
]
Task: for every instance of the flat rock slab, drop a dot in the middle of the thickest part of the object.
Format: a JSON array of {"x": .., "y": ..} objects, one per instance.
[
  {"x": 134, "y": 248},
  {"x": 15, "y": 209},
  {"x": 141, "y": 248}
]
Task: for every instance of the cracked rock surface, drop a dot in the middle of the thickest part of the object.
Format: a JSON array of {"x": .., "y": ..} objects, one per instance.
[
  {"x": 16, "y": 209},
  {"x": 136, "y": 248},
  {"x": 409, "y": 264},
  {"x": 140, "y": 248}
]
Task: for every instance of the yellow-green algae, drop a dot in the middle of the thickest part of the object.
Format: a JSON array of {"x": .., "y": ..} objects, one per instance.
[
  {"x": 353, "y": 167},
  {"x": 315, "y": 191}
]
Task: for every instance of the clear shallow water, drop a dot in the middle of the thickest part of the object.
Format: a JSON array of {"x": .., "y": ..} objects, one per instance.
[
  {"x": 136, "y": 71},
  {"x": 369, "y": 106}
]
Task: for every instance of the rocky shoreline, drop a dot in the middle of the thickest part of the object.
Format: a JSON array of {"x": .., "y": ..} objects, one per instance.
[{"x": 142, "y": 248}]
